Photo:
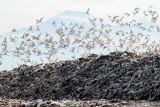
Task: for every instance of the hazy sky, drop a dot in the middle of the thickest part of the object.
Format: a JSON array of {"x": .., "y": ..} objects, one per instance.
[{"x": 20, "y": 13}]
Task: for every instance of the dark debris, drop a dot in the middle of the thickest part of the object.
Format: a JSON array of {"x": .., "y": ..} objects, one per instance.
[{"x": 121, "y": 75}]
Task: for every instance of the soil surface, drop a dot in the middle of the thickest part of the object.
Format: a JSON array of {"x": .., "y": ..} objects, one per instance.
[{"x": 119, "y": 75}]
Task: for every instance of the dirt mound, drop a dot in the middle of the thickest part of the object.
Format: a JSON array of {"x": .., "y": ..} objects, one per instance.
[{"x": 121, "y": 75}]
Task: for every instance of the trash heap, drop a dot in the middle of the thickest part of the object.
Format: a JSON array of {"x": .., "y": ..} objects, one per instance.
[
  {"x": 119, "y": 75},
  {"x": 74, "y": 103}
]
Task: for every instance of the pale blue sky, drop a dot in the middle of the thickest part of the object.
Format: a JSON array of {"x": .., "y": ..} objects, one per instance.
[{"x": 19, "y": 13}]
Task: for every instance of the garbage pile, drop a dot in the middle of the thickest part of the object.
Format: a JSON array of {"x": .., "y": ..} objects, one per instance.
[
  {"x": 119, "y": 75},
  {"x": 74, "y": 103}
]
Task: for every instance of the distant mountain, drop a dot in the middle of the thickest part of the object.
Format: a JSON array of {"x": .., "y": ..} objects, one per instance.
[
  {"x": 49, "y": 27},
  {"x": 66, "y": 18}
]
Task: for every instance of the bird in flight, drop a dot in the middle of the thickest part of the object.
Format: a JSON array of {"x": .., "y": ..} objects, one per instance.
[
  {"x": 54, "y": 22},
  {"x": 30, "y": 28},
  {"x": 87, "y": 12},
  {"x": 14, "y": 30},
  {"x": 39, "y": 21}
]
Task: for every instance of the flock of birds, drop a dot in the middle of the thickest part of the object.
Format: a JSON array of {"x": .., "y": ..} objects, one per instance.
[{"x": 131, "y": 35}]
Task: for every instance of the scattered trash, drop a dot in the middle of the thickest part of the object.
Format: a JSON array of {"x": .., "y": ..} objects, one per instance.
[{"x": 119, "y": 75}]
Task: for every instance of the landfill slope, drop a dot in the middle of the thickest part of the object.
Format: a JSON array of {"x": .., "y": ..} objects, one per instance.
[{"x": 119, "y": 75}]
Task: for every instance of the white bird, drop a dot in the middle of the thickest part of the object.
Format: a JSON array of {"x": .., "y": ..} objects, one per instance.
[
  {"x": 53, "y": 23},
  {"x": 87, "y": 12},
  {"x": 14, "y": 30},
  {"x": 30, "y": 28},
  {"x": 39, "y": 21}
]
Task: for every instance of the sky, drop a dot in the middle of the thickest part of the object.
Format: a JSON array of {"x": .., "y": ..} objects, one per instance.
[{"x": 21, "y": 13}]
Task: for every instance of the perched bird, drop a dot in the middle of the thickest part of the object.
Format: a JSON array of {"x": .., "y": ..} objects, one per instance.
[
  {"x": 122, "y": 70},
  {"x": 122, "y": 67}
]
